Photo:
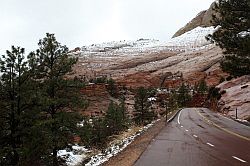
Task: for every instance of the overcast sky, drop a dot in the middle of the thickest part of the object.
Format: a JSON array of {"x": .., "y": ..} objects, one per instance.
[{"x": 83, "y": 22}]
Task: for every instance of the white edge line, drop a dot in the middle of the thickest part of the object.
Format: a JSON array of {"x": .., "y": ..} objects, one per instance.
[
  {"x": 195, "y": 136},
  {"x": 210, "y": 144},
  {"x": 224, "y": 117},
  {"x": 229, "y": 119},
  {"x": 186, "y": 130},
  {"x": 179, "y": 118},
  {"x": 243, "y": 161},
  {"x": 181, "y": 126}
]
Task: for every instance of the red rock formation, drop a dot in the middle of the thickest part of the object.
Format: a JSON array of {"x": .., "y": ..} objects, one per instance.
[
  {"x": 236, "y": 95},
  {"x": 139, "y": 79}
]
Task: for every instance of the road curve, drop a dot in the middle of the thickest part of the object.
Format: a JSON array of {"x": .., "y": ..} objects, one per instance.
[{"x": 199, "y": 137}]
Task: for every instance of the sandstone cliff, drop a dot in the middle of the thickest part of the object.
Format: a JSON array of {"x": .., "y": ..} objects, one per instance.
[{"x": 236, "y": 95}]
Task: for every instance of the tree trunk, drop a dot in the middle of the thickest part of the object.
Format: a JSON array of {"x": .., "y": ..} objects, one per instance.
[{"x": 55, "y": 161}]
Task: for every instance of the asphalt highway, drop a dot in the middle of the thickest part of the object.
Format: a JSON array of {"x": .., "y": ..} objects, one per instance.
[{"x": 199, "y": 137}]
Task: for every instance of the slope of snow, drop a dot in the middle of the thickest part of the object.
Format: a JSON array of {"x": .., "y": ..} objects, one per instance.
[{"x": 192, "y": 40}]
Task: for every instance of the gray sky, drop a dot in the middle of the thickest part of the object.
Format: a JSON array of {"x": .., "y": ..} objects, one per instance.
[{"x": 83, "y": 22}]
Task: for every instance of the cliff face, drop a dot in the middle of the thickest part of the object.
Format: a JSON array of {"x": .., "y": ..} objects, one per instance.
[
  {"x": 203, "y": 19},
  {"x": 236, "y": 95}
]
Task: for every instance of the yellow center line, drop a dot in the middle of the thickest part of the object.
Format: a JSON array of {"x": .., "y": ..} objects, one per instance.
[{"x": 228, "y": 131}]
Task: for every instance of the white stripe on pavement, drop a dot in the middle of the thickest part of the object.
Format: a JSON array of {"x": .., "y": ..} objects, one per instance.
[
  {"x": 195, "y": 136},
  {"x": 210, "y": 144},
  {"x": 243, "y": 161},
  {"x": 179, "y": 118}
]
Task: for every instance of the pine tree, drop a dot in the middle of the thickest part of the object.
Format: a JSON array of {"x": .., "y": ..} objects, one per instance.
[
  {"x": 183, "y": 95},
  {"x": 17, "y": 98},
  {"x": 172, "y": 100},
  {"x": 115, "y": 118},
  {"x": 59, "y": 97},
  {"x": 112, "y": 88},
  {"x": 123, "y": 109},
  {"x": 202, "y": 87},
  {"x": 142, "y": 114},
  {"x": 233, "y": 35},
  {"x": 99, "y": 132}
]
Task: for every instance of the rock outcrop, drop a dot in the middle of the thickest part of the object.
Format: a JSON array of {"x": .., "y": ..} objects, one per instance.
[
  {"x": 203, "y": 19},
  {"x": 236, "y": 95}
]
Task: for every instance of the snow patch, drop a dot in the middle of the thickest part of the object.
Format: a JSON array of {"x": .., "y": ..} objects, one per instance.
[
  {"x": 74, "y": 156},
  {"x": 243, "y": 34},
  {"x": 113, "y": 150},
  {"x": 192, "y": 39},
  {"x": 152, "y": 99}
]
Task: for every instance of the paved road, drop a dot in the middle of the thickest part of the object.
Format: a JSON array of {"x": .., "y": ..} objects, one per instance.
[{"x": 199, "y": 137}]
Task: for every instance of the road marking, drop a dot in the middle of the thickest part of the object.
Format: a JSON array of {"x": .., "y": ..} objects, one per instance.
[
  {"x": 243, "y": 161},
  {"x": 179, "y": 118},
  {"x": 186, "y": 130},
  {"x": 181, "y": 126},
  {"x": 228, "y": 131},
  {"x": 195, "y": 136},
  {"x": 210, "y": 144},
  {"x": 224, "y": 117}
]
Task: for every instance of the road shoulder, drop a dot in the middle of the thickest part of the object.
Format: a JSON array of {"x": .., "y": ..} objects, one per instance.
[{"x": 133, "y": 151}]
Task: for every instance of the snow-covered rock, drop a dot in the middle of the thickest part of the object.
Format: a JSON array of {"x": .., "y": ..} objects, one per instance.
[{"x": 192, "y": 40}]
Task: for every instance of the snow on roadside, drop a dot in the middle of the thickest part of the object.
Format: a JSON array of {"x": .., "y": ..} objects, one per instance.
[
  {"x": 75, "y": 156},
  {"x": 113, "y": 150},
  {"x": 79, "y": 153}
]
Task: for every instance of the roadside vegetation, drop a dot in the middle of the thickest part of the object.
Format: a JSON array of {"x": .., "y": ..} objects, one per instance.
[
  {"x": 39, "y": 107},
  {"x": 233, "y": 35}
]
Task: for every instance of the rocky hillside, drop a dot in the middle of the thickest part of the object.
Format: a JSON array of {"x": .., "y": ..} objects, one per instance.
[
  {"x": 203, "y": 19},
  {"x": 188, "y": 57},
  {"x": 152, "y": 63}
]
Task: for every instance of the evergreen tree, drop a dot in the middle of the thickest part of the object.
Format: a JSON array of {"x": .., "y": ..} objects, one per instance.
[
  {"x": 142, "y": 114},
  {"x": 17, "y": 98},
  {"x": 99, "y": 132},
  {"x": 115, "y": 118},
  {"x": 59, "y": 97},
  {"x": 202, "y": 87},
  {"x": 123, "y": 109},
  {"x": 213, "y": 97},
  {"x": 112, "y": 89},
  {"x": 233, "y": 35},
  {"x": 183, "y": 95},
  {"x": 172, "y": 101}
]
